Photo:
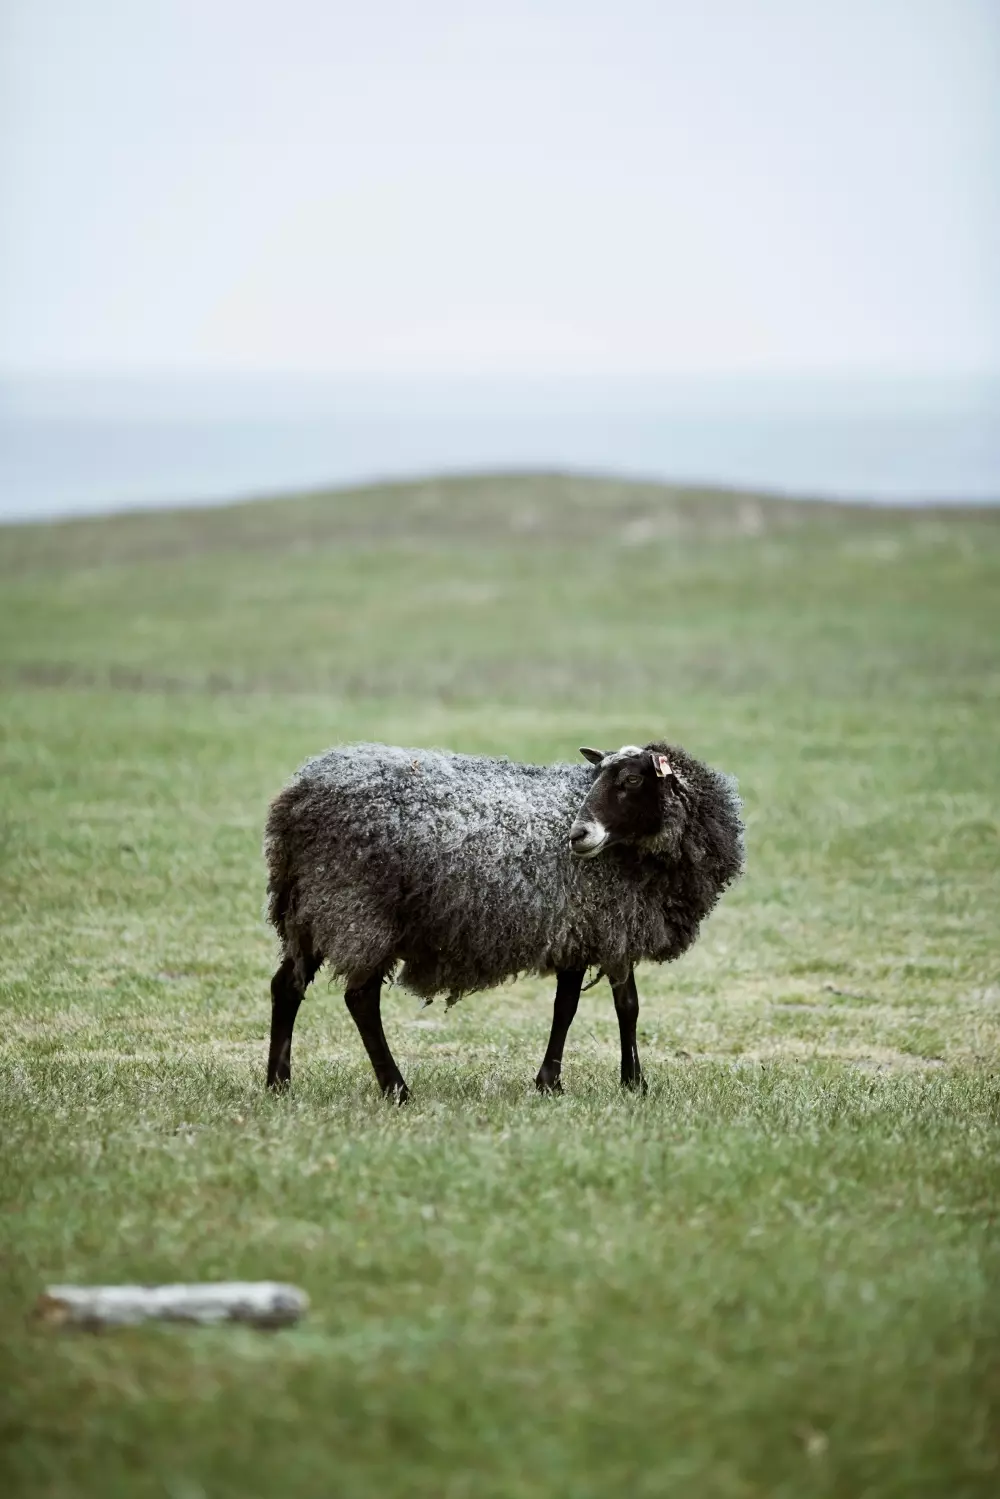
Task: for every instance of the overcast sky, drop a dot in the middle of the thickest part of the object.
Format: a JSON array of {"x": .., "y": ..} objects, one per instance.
[{"x": 507, "y": 187}]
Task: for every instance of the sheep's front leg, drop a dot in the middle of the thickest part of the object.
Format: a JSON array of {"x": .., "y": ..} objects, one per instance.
[
  {"x": 569, "y": 982},
  {"x": 627, "y": 1009},
  {"x": 365, "y": 1004}
]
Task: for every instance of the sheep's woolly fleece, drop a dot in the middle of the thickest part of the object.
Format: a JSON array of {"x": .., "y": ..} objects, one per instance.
[{"x": 458, "y": 867}]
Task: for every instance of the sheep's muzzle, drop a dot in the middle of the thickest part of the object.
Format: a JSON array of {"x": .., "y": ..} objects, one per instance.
[{"x": 587, "y": 838}]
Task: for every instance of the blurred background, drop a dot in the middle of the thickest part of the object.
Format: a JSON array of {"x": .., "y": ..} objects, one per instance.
[{"x": 248, "y": 247}]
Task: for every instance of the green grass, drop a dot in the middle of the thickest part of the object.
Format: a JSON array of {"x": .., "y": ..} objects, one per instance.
[{"x": 778, "y": 1275}]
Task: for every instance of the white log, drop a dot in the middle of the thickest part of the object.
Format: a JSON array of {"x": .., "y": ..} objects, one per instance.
[{"x": 263, "y": 1303}]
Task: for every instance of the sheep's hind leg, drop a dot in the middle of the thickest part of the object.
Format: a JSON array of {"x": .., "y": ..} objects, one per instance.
[
  {"x": 627, "y": 1009},
  {"x": 569, "y": 982},
  {"x": 364, "y": 1003},
  {"x": 286, "y": 996}
]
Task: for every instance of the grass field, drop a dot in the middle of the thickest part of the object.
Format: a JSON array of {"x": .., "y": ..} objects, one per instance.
[{"x": 777, "y": 1275}]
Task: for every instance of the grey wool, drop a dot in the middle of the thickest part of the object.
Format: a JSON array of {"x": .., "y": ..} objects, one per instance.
[{"x": 459, "y": 868}]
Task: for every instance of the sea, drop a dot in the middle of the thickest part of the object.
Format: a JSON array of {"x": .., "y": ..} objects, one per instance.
[{"x": 82, "y": 445}]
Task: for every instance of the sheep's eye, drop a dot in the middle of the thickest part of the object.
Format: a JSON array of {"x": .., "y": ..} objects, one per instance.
[{"x": 633, "y": 780}]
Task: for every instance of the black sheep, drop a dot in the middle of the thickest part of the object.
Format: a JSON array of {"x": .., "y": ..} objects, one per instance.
[{"x": 469, "y": 870}]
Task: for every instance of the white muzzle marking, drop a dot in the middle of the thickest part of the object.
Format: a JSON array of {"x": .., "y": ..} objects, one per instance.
[{"x": 595, "y": 836}]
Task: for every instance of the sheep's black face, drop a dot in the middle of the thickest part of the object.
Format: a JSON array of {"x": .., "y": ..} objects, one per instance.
[{"x": 625, "y": 804}]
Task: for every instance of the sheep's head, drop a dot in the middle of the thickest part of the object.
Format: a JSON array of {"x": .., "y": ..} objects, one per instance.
[{"x": 638, "y": 798}]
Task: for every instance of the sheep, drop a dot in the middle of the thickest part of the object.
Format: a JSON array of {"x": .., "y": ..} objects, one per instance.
[{"x": 467, "y": 871}]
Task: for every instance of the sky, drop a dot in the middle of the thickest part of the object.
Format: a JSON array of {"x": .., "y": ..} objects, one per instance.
[{"x": 520, "y": 188}]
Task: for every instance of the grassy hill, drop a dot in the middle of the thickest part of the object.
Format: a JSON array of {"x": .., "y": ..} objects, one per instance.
[{"x": 779, "y": 1274}]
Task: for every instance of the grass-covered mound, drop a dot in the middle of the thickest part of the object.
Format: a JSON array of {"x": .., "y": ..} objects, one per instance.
[{"x": 779, "y": 1274}]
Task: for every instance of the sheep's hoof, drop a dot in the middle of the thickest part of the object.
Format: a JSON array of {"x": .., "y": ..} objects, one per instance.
[
  {"x": 636, "y": 1085},
  {"x": 546, "y": 1084}
]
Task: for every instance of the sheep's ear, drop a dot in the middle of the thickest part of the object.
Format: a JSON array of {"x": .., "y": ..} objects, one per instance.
[{"x": 594, "y": 756}]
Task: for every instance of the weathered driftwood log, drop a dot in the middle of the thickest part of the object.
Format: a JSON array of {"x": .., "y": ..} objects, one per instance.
[{"x": 262, "y": 1303}]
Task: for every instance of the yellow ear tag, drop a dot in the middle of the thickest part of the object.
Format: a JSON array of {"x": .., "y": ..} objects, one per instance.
[{"x": 662, "y": 766}]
